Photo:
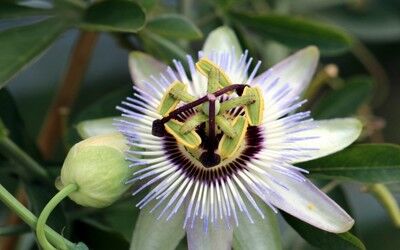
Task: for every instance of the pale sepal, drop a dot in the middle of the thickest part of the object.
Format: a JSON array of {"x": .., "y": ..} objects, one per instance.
[
  {"x": 295, "y": 72},
  {"x": 262, "y": 234},
  {"x": 95, "y": 127},
  {"x": 217, "y": 236},
  {"x": 222, "y": 39},
  {"x": 304, "y": 200},
  {"x": 328, "y": 137},
  {"x": 151, "y": 233},
  {"x": 142, "y": 66}
]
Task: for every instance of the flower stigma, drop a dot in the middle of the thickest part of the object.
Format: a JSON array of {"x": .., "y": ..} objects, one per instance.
[{"x": 211, "y": 128}]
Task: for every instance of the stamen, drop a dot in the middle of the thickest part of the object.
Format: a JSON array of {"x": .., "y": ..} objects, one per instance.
[
  {"x": 158, "y": 124},
  {"x": 225, "y": 126},
  {"x": 239, "y": 101}
]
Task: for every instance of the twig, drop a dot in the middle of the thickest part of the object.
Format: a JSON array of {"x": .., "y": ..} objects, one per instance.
[
  {"x": 52, "y": 128},
  {"x": 11, "y": 151},
  {"x": 387, "y": 200},
  {"x": 373, "y": 66}
]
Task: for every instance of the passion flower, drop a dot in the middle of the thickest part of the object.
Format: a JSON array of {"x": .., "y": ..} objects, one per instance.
[{"x": 217, "y": 141}]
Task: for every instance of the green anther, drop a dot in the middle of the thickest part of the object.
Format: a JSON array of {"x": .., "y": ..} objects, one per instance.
[
  {"x": 255, "y": 110},
  {"x": 205, "y": 66},
  {"x": 228, "y": 146},
  {"x": 190, "y": 140},
  {"x": 179, "y": 92},
  {"x": 243, "y": 100},
  {"x": 213, "y": 81},
  {"x": 226, "y": 126},
  {"x": 169, "y": 102},
  {"x": 193, "y": 122}
]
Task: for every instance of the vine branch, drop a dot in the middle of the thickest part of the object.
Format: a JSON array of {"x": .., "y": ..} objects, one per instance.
[{"x": 51, "y": 131}]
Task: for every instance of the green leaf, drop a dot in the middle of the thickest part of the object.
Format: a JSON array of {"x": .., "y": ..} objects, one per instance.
[
  {"x": 374, "y": 23},
  {"x": 12, "y": 10},
  {"x": 96, "y": 237},
  {"x": 322, "y": 239},
  {"x": 116, "y": 216},
  {"x": 297, "y": 32},
  {"x": 162, "y": 47},
  {"x": 345, "y": 101},
  {"x": 148, "y": 5},
  {"x": 114, "y": 16},
  {"x": 113, "y": 219},
  {"x": 3, "y": 130},
  {"x": 364, "y": 163},
  {"x": 12, "y": 120},
  {"x": 20, "y": 46},
  {"x": 174, "y": 26},
  {"x": 103, "y": 107},
  {"x": 315, "y": 5}
]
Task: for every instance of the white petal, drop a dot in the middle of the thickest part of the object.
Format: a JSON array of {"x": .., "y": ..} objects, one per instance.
[
  {"x": 142, "y": 66},
  {"x": 95, "y": 127},
  {"x": 222, "y": 39},
  {"x": 328, "y": 137},
  {"x": 217, "y": 237},
  {"x": 295, "y": 71},
  {"x": 262, "y": 234},
  {"x": 305, "y": 201},
  {"x": 150, "y": 233}
]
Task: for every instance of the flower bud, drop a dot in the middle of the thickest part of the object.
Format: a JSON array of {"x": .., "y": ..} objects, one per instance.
[{"x": 98, "y": 166}]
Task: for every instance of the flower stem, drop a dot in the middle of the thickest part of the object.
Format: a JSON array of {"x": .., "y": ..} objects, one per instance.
[
  {"x": 9, "y": 149},
  {"x": 41, "y": 222},
  {"x": 29, "y": 218},
  {"x": 385, "y": 197}
]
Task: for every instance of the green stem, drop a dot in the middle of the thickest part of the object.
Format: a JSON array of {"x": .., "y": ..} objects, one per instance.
[
  {"x": 41, "y": 222},
  {"x": 329, "y": 72},
  {"x": 186, "y": 8},
  {"x": 330, "y": 186},
  {"x": 11, "y": 150},
  {"x": 385, "y": 197},
  {"x": 375, "y": 69},
  {"x": 29, "y": 218}
]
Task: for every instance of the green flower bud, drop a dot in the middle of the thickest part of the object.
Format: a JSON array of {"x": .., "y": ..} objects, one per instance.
[{"x": 98, "y": 166}]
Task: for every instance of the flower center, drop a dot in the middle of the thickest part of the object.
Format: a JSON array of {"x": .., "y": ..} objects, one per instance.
[{"x": 211, "y": 128}]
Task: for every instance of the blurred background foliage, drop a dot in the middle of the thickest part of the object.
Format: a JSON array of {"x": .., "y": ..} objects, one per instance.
[{"x": 66, "y": 61}]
